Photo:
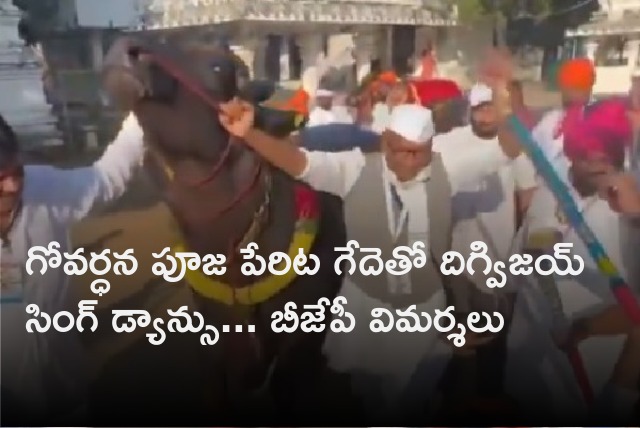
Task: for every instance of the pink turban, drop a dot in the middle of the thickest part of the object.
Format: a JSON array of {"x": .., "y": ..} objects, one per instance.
[{"x": 600, "y": 128}]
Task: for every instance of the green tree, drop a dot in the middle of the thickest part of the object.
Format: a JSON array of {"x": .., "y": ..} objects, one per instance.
[
  {"x": 471, "y": 10},
  {"x": 540, "y": 23},
  {"x": 39, "y": 17},
  {"x": 544, "y": 21}
]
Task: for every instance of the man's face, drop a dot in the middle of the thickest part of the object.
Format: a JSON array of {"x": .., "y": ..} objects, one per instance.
[
  {"x": 11, "y": 181},
  {"x": 484, "y": 120},
  {"x": 572, "y": 97},
  {"x": 589, "y": 174},
  {"x": 405, "y": 158}
]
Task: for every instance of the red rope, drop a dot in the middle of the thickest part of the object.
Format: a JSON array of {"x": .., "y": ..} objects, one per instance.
[{"x": 201, "y": 92}]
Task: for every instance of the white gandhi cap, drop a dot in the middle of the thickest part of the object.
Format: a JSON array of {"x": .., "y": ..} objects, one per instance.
[
  {"x": 413, "y": 122},
  {"x": 324, "y": 93},
  {"x": 480, "y": 94}
]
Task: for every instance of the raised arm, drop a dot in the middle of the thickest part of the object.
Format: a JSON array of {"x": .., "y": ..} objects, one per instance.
[
  {"x": 469, "y": 163},
  {"x": 331, "y": 172},
  {"x": 73, "y": 193},
  {"x": 542, "y": 221},
  {"x": 324, "y": 171},
  {"x": 338, "y": 137},
  {"x": 525, "y": 183}
]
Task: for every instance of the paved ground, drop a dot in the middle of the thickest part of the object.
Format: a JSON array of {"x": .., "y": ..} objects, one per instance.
[{"x": 140, "y": 221}]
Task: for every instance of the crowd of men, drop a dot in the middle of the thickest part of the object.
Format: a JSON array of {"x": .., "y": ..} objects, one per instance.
[
  {"x": 496, "y": 196},
  {"x": 443, "y": 185}
]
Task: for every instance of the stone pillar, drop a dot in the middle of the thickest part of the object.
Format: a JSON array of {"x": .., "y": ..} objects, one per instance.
[
  {"x": 285, "y": 72},
  {"x": 365, "y": 47},
  {"x": 259, "y": 58},
  {"x": 590, "y": 48},
  {"x": 97, "y": 49},
  {"x": 311, "y": 53},
  {"x": 633, "y": 47},
  {"x": 384, "y": 41}
]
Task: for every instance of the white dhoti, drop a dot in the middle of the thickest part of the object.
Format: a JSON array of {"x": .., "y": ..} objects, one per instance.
[
  {"x": 383, "y": 364},
  {"x": 538, "y": 372}
]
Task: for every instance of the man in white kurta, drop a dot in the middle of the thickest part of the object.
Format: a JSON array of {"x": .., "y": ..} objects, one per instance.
[
  {"x": 46, "y": 374},
  {"x": 589, "y": 145},
  {"x": 341, "y": 111},
  {"x": 321, "y": 114},
  {"x": 392, "y": 358},
  {"x": 575, "y": 80},
  {"x": 486, "y": 210},
  {"x": 582, "y": 295},
  {"x": 397, "y": 196}
]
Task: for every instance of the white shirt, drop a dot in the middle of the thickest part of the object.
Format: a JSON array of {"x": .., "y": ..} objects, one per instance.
[
  {"x": 544, "y": 134},
  {"x": 368, "y": 352},
  {"x": 485, "y": 209},
  {"x": 35, "y": 364},
  {"x": 341, "y": 114},
  {"x": 320, "y": 116},
  {"x": 337, "y": 172},
  {"x": 381, "y": 118},
  {"x": 589, "y": 292}
]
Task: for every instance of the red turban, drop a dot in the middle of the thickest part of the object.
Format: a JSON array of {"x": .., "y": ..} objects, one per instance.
[
  {"x": 600, "y": 128},
  {"x": 434, "y": 91},
  {"x": 577, "y": 74}
]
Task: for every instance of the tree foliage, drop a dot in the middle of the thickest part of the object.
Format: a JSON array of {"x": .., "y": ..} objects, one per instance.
[
  {"x": 39, "y": 17},
  {"x": 471, "y": 10},
  {"x": 539, "y": 23}
]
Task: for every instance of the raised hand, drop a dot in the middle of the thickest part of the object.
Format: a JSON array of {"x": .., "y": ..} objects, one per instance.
[
  {"x": 237, "y": 117},
  {"x": 496, "y": 71},
  {"x": 623, "y": 194},
  {"x": 496, "y": 68}
]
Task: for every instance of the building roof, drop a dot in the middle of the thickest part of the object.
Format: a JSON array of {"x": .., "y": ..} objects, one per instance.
[
  {"x": 628, "y": 24},
  {"x": 178, "y": 13}
]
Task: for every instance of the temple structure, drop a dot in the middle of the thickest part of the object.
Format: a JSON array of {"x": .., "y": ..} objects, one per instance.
[
  {"x": 22, "y": 99},
  {"x": 612, "y": 41},
  {"x": 295, "y": 40}
]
